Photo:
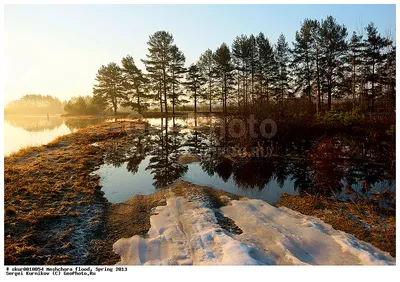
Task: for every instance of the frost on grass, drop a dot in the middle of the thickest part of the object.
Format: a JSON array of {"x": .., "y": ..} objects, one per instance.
[{"x": 186, "y": 233}]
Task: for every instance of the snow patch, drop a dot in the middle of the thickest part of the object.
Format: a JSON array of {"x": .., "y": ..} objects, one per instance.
[{"x": 187, "y": 233}]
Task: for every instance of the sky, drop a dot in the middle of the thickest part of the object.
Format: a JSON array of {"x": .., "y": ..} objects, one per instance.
[{"x": 57, "y": 49}]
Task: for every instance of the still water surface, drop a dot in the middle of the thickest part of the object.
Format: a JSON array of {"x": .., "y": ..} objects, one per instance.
[
  {"x": 25, "y": 131},
  {"x": 149, "y": 162}
]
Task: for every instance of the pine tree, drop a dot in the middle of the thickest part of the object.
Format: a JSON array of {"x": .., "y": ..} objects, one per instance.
[
  {"x": 303, "y": 61},
  {"x": 241, "y": 61},
  {"x": 373, "y": 59},
  {"x": 207, "y": 67},
  {"x": 134, "y": 85},
  {"x": 315, "y": 30},
  {"x": 194, "y": 82},
  {"x": 267, "y": 67},
  {"x": 282, "y": 59},
  {"x": 389, "y": 70},
  {"x": 176, "y": 70},
  {"x": 253, "y": 63},
  {"x": 355, "y": 61},
  {"x": 333, "y": 51},
  {"x": 158, "y": 60},
  {"x": 224, "y": 68},
  {"x": 109, "y": 87}
]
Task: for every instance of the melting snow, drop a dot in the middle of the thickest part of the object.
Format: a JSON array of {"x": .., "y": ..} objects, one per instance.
[{"x": 187, "y": 233}]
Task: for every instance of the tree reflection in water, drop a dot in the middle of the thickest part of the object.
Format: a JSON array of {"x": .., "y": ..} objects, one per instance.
[{"x": 322, "y": 166}]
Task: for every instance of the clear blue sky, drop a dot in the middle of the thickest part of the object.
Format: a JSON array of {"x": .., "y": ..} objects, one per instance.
[{"x": 58, "y": 49}]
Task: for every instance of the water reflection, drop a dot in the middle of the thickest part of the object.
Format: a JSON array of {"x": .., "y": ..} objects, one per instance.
[
  {"x": 48, "y": 123},
  {"x": 34, "y": 123},
  {"x": 299, "y": 165},
  {"x": 24, "y": 131}
]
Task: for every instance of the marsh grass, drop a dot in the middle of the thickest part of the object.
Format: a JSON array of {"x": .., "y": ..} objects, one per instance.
[{"x": 53, "y": 205}]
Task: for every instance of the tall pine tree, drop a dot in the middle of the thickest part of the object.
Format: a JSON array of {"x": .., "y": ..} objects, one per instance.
[
  {"x": 207, "y": 67},
  {"x": 194, "y": 82},
  {"x": 373, "y": 59},
  {"x": 109, "y": 88},
  {"x": 224, "y": 68},
  {"x": 333, "y": 51},
  {"x": 282, "y": 59},
  {"x": 134, "y": 84},
  {"x": 160, "y": 47},
  {"x": 176, "y": 70}
]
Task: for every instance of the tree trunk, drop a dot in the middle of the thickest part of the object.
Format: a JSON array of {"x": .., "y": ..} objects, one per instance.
[
  {"x": 319, "y": 106},
  {"x": 329, "y": 95},
  {"x": 165, "y": 89},
  {"x": 209, "y": 87},
  {"x": 160, "y": 96},
  {"x": 173, "y": 98},
  {"x": 195, "y": 100},
  {"x": 373, "y": 88},
  {"x": 138, "y": 101},
  {"x": 115, "y": 109},
  {"x": 252, "y": 86},
  {"x": 225, "y": 95}
]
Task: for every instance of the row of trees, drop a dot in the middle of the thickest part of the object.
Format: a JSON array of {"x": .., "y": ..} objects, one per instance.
[
  {"x": 34, "y": 104},
  {"x": 323, "y": 64}
]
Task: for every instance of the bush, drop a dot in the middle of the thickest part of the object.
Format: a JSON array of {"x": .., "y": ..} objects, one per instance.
[
  {"x": 347, "y": 118},
  {"x": 84, "y": 106}
]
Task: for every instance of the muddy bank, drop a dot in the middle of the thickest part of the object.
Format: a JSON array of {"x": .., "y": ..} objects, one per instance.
[
  {"x": 364, "y": 221},
  {"x": 53, "y": 206}
]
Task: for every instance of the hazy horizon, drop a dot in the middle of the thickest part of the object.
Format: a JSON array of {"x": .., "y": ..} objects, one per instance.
[{"x": 57, "y": 49}]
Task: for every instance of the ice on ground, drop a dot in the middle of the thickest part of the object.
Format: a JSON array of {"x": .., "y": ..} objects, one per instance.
[
  {"x": 187, "y": 233},
  {"x": 290, "y": 237}
]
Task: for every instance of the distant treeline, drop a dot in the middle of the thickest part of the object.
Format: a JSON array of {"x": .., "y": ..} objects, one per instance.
[
  {"x": 85, "y": 105},
  {"x": 35, "y": 104},
  {"x": 324, "y": 65}
]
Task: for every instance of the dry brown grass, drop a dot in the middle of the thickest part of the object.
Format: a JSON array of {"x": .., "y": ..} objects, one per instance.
[
  {"x": 363, "y": 221},
  {"x": 53, "y": 206}
]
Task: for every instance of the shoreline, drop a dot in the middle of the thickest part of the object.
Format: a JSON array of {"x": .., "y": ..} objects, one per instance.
[
  {"x": 53, "y": 204},
  {"x": 145, "y": 115},
  {"x": 55, "y": 212}
]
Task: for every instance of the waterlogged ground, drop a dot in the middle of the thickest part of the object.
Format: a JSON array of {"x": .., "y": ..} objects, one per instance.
[
  {"x": 333, "y": 165},
  {"x": 76, "y": 192}
]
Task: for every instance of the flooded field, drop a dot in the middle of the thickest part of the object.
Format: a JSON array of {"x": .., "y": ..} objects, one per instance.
[
  {"x": 150, "y": 161},
  {"x": 329, "y": 165}
]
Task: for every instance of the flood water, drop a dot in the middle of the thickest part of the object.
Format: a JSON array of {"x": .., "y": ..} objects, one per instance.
[
  {"x": 25, "y": 131},
  {"x": 323, "y": 165},
  {"x": 149, "y": 161}
]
